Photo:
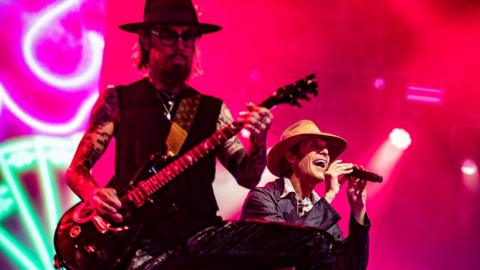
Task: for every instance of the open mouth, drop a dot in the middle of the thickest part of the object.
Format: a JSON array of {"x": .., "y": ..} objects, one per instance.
[{"x": 322, "y": 163}]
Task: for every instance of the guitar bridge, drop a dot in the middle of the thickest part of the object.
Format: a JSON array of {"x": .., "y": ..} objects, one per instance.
[{"x": 104, "y": 226}]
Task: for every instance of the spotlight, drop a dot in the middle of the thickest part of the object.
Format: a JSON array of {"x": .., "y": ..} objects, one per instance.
[
  {"x": 400, "y": 138},
  {"x": 469, "y": 167},
  {"x": 379, "y": 83}
]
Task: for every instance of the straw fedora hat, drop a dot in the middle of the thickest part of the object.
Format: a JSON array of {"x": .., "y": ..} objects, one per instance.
[
  {"x": 169, "y": 12},
  {"x": 304, "y": 129}
]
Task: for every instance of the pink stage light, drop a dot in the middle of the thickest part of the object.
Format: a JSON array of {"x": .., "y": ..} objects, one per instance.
[
  {"x": 51, "y": 128},
  {"x": 400, "y": 138},
  {"x": 470, "y": 175},
  {"x": 89, "y": 67},
  {"x": 425, "y": 95},
  {"x": 85, "y": 74},
  {"x": 469, "y": 167},
  {"x": 379, "y": 83}
]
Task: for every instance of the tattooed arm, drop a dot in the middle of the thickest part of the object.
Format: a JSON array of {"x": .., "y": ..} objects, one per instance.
[
  {"x": 246, "y": 167},
  {"x": 93, "y": 144}
]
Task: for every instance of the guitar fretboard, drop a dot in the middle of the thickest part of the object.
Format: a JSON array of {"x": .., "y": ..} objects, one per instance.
[{"x": 145, "y": 188}]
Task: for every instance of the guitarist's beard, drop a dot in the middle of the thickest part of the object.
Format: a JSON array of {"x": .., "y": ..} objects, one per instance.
[{"x": 173, "y": 75}]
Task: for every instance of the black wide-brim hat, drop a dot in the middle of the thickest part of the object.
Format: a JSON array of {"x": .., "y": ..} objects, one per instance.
[{"x": 170, "y": 12}]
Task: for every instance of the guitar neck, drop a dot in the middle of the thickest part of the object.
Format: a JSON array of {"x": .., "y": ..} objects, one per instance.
[{"x": 145, "y": 188}]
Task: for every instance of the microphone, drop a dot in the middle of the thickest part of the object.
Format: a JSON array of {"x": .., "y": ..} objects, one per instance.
[
  {"x": 366, "y": 175},
  {"x": 357, "y": 172}
]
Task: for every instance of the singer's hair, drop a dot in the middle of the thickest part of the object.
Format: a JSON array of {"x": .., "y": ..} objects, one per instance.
[{"x": 285, "y": 167}]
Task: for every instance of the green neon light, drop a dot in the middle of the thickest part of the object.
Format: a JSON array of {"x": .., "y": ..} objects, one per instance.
[
  {"x": 15, "y": 251},
  {"x": 43, "y": 156},
  {"x": 27, "y": 214},
  {"x": 48, "y": 185},
  {"x": 6, "y": 202},
  {"x": 20, "y": 156}
]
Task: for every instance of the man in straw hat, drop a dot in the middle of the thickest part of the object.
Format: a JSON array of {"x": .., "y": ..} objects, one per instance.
[
  {"x": 304, "y": 157},
  {"x": 162, "y": 113}
]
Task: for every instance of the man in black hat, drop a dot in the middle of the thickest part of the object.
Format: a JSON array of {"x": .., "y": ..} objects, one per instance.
[
  {"x": 303, "y": 158},
  {"x": 162, "y": 113}
]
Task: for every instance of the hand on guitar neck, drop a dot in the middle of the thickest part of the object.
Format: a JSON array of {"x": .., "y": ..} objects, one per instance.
[{"x": 257, "y": 120}]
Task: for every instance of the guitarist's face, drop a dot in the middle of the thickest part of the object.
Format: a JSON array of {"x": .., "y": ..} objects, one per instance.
[{"x": 172, "y": 50}]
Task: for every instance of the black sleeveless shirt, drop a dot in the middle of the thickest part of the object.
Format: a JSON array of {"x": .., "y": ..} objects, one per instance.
[{"x": 187, "y": 204}]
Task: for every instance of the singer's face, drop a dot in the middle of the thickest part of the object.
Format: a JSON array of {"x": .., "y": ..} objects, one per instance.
[{"x": 311, "y": 160}]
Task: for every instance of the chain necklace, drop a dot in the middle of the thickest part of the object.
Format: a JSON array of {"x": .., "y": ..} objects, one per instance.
[{"x": 167, "y": 106}]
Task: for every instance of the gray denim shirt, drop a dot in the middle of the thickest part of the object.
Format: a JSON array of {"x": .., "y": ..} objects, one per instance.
[{"x": 267, "y": 203}]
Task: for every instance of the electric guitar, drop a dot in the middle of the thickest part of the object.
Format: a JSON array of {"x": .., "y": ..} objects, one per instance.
[{"x": 84, "y": 240}]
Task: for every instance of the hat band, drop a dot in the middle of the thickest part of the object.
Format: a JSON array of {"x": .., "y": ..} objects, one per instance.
[{"x": 175, "y": 16}]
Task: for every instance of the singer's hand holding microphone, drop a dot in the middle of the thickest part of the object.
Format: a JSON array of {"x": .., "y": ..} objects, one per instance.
[{"x": 337, "y": 173}]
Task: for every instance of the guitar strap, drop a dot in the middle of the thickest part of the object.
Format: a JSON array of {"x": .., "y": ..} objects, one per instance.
[{"x": 182, "y": 122}]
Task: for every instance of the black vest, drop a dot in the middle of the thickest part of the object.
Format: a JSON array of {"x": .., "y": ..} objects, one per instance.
[{"x": 142, "y": 130}]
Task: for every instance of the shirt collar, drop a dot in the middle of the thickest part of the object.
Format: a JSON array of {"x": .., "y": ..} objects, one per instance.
[{"x": 288, "y": 188}]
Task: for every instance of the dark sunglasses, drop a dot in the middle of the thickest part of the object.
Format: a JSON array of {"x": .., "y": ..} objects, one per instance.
[{"x": 170, "y": 38}]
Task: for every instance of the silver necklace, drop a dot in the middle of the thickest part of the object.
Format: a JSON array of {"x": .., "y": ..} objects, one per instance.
[
  {"x": 171, "y": 100},
  {"x": 168, "y": 106}
]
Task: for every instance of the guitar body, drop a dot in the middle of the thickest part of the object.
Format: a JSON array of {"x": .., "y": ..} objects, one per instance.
[{"x": 84, "y": 246}]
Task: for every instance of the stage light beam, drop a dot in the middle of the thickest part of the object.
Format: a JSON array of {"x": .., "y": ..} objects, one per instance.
[{"x": 400, "y": 138}]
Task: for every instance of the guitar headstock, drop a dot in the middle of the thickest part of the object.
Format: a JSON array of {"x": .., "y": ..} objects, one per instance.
[{"x": 292, "y": 93}]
